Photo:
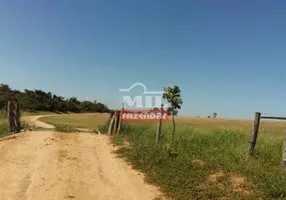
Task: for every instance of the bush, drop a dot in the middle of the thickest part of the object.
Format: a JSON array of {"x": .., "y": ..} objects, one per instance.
[{"x": 64, "y": 128}]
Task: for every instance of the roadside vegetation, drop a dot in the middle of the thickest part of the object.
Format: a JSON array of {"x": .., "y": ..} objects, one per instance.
[
  {"x": 212, "y": 164},
  {"x": 3, "y": 128},
  {"x": 64, "y": 128}
]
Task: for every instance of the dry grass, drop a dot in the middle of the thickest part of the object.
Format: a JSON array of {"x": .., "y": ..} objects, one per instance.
[
  {"x": 91, "y": 121},
  {"x": 88, "y": 121},
  {"x": 202, "y": 124}
]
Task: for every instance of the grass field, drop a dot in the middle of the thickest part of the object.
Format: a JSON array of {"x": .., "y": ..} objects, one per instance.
[
  {"x": 274, "y": 128},
  {"x": 209, "y": 164},
  {"x": 208, "y": 160},
  {"x": 88, "y": 121}
]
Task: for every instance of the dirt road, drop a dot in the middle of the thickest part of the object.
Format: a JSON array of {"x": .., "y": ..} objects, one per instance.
[
  {"x": 58, "y": 166},
  {"x": 34, "y": 120}
]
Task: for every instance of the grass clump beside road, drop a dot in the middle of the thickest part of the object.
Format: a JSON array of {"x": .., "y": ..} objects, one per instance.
[
  {"x": 64, "y": 128},
  {"x": 211, "y": 164},
  {"x": 3, "y": 128}
]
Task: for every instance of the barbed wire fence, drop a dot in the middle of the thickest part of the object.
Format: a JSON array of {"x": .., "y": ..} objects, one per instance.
[{"x": 255, "y": 130}]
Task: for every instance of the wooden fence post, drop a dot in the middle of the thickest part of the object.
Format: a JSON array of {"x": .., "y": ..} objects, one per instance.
[
  {"x": 158, "y": 134},
  {"x": 111, "y": 124},
  {"x": 17, "y": 117},
  {"x": 284, "y": 153},
  {"x": 253, "y": 134},
  {"x": 116, "y": 121},
  {"x": 11, "y": 120},
  {"x": 9, "y": 117},
  {"x": 120, "y": 120},
  {"x": 111, "y": 114}
]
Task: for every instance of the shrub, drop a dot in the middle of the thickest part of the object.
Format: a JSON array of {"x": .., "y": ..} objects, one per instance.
[{"x": 64, "y": 128}]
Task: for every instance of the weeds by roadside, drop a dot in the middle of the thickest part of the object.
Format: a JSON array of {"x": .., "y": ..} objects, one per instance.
[
  {"x": 3, "y": 128},
  {"x": 64, "y": 128},
  {"x": 209, "y": 165},
  {"x": 104, "y": 128}
]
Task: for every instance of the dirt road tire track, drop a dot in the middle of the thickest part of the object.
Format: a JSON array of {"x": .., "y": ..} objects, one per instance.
[
  {"x": 34, "y": 120},
  {"x": 59, "y": 166}
]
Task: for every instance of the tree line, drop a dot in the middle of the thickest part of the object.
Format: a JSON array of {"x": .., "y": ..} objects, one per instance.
[{"x": 38, "y": 100}]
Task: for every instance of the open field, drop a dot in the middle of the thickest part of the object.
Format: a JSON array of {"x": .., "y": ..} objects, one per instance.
[
  {"x": 269, "y": 127},
  {"x": 91, "y": 121},
  {"x": 88, "y": 121}
]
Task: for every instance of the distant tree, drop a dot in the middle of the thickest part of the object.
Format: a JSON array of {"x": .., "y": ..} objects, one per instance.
[
  {"x": 30, "y": 100},
  {"x": 87, "y": 106},
  {"x": 101, "y": 108},
  {"x": 214, "y": 115},
  {"x": 209, "y": 117},
  {"x": 59, "y": 104},
  {"x": 5, "y": 95},
  {"x": 73, "y": 104},
  {"x": 173, "y": 96}
]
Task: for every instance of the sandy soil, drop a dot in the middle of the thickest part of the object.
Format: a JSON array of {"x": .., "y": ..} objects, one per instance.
[{"x": 47, "y": 165}]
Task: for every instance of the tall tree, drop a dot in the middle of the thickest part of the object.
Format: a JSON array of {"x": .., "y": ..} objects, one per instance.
[{"x": 173, "y": 96}]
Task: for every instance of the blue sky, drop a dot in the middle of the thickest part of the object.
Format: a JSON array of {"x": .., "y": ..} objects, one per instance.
[{"x": 227, "y": 56}]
